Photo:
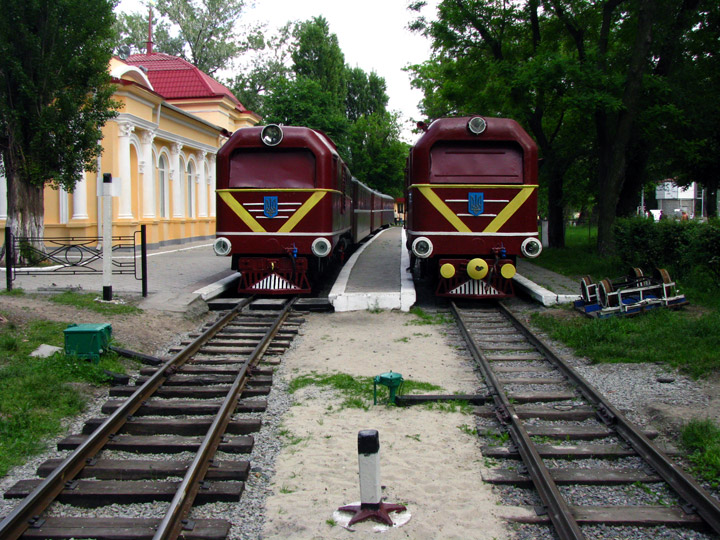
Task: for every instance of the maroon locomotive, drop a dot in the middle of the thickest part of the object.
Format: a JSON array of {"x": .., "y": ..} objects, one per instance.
[
  {"x": 287, "y": 206},
  {"x": 471, "y": 192}
]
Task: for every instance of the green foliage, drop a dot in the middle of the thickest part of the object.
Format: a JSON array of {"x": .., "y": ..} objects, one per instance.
[
  {"x": 55, "y": 91},
  {"x": 702, "y": 439},
  {"x": 357, "y": 392},
  {"x": 29, "y": 412},
  {"x": 207, "y": 30},
  {"x": 424, "y": 318},
  {"x": 92, "y": 302},
  {"x": 684, "y": 248},
  {"x": 654, "y": 337},
  {"x": 132, "y": 31}
]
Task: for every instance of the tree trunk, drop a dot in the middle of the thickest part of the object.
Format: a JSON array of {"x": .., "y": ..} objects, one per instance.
[
  {"x": 26, "y": 215},
  {"x": 614, "y": 132},
  {"x": 556, "y": 209}
]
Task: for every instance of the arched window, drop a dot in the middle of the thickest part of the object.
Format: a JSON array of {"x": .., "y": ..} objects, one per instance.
[
  {"x": 190, "y": 189},
  {"x": 162, "y": 186}
]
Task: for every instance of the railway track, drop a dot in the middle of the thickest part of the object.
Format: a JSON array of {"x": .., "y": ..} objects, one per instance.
[
  {"x": 177, "y": 417},
  {"x": 568, "y": 437}
]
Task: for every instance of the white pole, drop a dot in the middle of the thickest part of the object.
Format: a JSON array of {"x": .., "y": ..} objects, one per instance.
[
  {"x": 369, "y": 464},
  {"x": 107, "y": 236}
]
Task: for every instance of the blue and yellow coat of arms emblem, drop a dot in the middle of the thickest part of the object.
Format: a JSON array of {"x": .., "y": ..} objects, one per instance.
[
  {"x": 270, "y": 206},
  {"x": 476, "y": 203}
]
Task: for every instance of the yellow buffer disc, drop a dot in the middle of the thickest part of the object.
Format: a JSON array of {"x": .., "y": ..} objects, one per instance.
[
  {"x": 477, "y": 269},
  {"x": 508, "y": 271},
  {"x": 447, "y": 270}
]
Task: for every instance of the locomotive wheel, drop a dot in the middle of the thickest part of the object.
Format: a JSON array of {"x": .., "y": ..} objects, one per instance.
[
  {"x": 663, "y": 274},
  {"x": 604, "y": 290},
  {"x": 585, "y": 284},
  {"x": 637, "y": 272}
]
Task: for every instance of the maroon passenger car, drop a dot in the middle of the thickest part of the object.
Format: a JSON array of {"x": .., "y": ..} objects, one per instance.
[
  {"x": 471, "y": 191},
  {"x": 285, "y": 207}
]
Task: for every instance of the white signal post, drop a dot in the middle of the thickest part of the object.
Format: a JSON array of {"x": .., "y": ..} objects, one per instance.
[{"x": 107, "y": 194}]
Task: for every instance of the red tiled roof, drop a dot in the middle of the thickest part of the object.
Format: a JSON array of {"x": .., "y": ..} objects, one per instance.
[{"x": 175, "y": 78}]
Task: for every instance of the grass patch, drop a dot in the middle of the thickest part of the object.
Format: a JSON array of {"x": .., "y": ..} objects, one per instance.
[
  {"x": 689, "y": 343},
  {"x": 37, "y": 393},
  {"x": 90, "y": 301},
  {"x": 357, "y": 392},
  {"x": 424, "y": 318},
  {"x": 12, "y": 292},
  {"x": 701, "y": 438}
]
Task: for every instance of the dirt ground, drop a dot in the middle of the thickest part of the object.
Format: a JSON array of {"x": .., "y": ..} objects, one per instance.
[{"x": 150, "y": 332}]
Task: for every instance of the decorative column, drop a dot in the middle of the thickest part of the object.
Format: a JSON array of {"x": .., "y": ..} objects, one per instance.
[
  {"x": 202, "y": 183},
  {"x": 211, "y": 181},
  {"x": 80, "y": 198},
  {"x": 125, "y": 171},
  {"x": 147, "y": 169},
  {"x": 176, "y": 176}
]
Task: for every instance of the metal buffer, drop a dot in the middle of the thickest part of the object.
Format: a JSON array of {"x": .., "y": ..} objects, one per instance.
[
  {"x": 371, "y": 506},
  {"x": 392, "y": 380}
]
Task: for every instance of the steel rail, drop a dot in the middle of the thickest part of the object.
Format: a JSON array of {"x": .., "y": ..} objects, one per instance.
[
  {"x": 17, "y": 522},
  {"x": 706, "y": 506},
  {"x": 559, "y": 512},
  {"x": 172, "y": 523}
]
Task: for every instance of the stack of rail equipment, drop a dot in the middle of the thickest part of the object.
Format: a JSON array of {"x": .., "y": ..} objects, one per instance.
[{"x": 629, "y": 295}]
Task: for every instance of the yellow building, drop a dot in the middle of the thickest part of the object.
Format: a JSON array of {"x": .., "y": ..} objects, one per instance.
[{"x": 160, "y": 148}]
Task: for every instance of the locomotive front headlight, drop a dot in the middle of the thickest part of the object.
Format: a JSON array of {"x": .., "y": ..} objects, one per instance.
[
  {"x": 476, "y": 125},
  {"x": 271, "y": 135},
  {"x": 321, "y": 247},
  {"x": 222, "y": 246},
  {"x": 531, "y": 248},
  {"x": 422, "y": 247}
]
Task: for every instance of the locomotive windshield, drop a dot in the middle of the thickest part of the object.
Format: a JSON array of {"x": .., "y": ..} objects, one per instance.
[
  {"x": 272, "y": 168},
  {"x": 467, "y": 162}
]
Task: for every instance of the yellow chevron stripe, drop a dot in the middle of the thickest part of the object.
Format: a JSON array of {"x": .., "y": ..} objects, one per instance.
[
  {"x": 441, "y": 207},
  {"x": 474, "y": 186},
  {"x": 507, "y": 212},
  {"x": 301, "y": 212},
  {"x": 243, "y": 214},
  {"x": 500, "y": 220}
]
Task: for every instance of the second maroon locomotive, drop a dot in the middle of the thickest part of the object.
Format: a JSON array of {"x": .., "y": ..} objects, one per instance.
[
  {"x": 471, "y": 191},
  {"x": 287, "y": 206}
]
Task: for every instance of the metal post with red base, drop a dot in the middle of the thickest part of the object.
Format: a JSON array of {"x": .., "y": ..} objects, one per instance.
[{"x": 371, "y": 506}]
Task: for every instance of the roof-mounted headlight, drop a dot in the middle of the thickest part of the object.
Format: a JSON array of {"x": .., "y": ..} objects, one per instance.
[
  {"x": 271, "y": 135},
  {"x": 476, "y": 125}
]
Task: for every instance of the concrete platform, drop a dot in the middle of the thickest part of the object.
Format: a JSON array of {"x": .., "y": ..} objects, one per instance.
[
  {"x": 375, "y": 277},
  {"x": 545, "y": 286}
]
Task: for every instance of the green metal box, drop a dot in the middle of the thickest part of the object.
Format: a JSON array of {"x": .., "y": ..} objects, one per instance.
[{"x": 87, "y": 341}]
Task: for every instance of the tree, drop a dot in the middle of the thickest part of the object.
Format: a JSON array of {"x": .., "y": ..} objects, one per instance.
[
  {"x": 316, "y": 55},
  {"x": 205, "y": 31},
  {"x": 506, "y": 59},
  {"x": 269, "y": 64},
  {"x": 55, "y": 97},
  {"x": 377, "y": 155},
  {"x": 132, "y": 31},
  {"x": 560, "y": 66},
  {"x": 366, "y": 94}
]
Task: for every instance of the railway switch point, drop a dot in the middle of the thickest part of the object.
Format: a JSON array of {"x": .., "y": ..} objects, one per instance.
[
  {"x": 371, "y": 505},
  {"x": 392, "y": 380}
]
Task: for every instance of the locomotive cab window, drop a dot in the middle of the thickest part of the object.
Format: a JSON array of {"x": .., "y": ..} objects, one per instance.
[
  {"x": 276, "y": 168},
  {"x": 467, "y": 162}
]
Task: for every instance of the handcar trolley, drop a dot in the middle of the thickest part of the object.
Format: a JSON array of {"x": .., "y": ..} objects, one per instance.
[{"x": 629, "y": 295}]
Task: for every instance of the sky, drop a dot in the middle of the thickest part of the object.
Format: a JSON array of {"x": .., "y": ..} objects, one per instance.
[{"x": 372, "y": 34}]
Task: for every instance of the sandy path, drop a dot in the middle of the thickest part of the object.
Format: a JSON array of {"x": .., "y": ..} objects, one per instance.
[{"x": 427, "y": 461}]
